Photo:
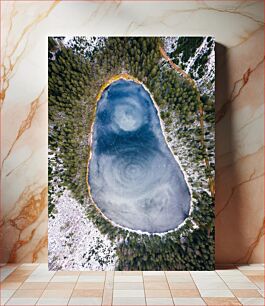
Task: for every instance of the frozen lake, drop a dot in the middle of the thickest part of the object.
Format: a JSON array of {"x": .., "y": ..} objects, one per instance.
[{"x": 134, "y": 178}]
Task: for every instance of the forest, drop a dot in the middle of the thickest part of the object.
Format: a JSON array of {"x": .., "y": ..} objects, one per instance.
[{"x": 76, "y": 73}]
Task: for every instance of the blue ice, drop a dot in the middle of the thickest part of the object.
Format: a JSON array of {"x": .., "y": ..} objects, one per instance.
[{"x": 134, "y": 178}]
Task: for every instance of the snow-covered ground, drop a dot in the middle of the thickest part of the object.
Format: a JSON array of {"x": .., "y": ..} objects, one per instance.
[
  {"x": 74, "y": 242},
  {"x": 205, "y": 83},
  {"x": 84, "y": 45}
]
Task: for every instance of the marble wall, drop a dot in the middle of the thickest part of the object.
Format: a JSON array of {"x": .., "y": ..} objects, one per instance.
[{"x": 238, "y": 27}]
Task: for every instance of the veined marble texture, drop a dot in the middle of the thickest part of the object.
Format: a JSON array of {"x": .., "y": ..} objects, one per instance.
[{"x": 238, "y": 27}]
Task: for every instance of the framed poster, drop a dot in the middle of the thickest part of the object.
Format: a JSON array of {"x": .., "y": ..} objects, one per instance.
[{"x": 131, "y": 153}]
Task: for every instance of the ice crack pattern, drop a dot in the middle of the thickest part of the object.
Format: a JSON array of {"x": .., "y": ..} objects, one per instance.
[{"x": 133, "y": 176}]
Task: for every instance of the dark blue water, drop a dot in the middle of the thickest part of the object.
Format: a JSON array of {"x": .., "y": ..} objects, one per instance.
[{"x": 134, "y": 178}]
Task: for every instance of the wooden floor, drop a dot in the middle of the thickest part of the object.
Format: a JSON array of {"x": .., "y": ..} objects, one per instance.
[{"x": 33, "y": 284}]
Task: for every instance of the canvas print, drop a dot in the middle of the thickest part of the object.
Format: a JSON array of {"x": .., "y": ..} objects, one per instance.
[{"x": 131, "y": 153}]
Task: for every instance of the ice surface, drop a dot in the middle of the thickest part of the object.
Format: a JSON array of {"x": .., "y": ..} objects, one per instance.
[{"x": 134, "y": 178}]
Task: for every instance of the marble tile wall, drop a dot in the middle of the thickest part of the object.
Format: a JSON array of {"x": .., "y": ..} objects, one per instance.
[{"x": 238, "y": 27}]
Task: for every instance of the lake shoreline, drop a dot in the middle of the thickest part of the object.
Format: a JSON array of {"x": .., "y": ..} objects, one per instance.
[{"x": 128, "y": 77}]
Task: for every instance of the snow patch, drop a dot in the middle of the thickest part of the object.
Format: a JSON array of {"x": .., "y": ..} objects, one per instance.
[{"x": 74, "y": 242}]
